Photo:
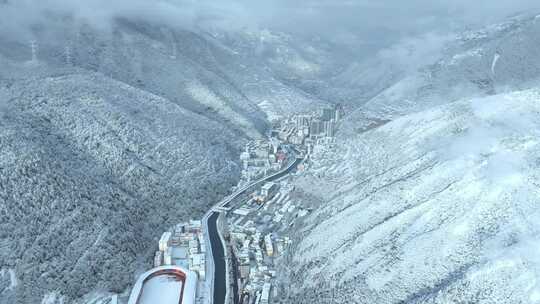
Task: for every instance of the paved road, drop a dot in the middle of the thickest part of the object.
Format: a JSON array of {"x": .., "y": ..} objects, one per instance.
[
  {"x": 217, "y": 250},
  {"x": 280, "y": 174}
]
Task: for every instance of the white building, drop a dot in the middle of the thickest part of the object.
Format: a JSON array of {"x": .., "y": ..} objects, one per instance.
[
  {"x": 268, "y": 245},
  {"x": 164, "y": 241},
  {"x": 158, "y": 259},
  {"x": 244, "y": 263},
  {"x": 167, "y": 256},
  {"x": 330, "y": 128},
  {"x": 275, "y": 144},
  {"x": 242, "y": 211},
  {"x": 327, "y": 114},
  {"x": 268, "y": 191},
  {"x": 265, "y": 295}
]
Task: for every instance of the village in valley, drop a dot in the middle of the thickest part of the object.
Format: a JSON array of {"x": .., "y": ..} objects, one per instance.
[{"x": 254, "y": 225}]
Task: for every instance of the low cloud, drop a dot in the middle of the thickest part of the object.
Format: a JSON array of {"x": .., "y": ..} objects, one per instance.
[
  {"x": 26, "y": 17},
  {"x": 382, "y": 22},
  {"x": 413, "y": 52}
]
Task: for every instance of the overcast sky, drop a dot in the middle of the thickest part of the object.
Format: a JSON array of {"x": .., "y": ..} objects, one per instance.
[{"x": 367, "y": 19}]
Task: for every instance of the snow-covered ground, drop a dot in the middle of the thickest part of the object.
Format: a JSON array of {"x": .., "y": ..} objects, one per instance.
[
  {"x": 440, "y": 206},
  {"x": 52, "y": 298},
  {"x": 9, "y": 273}
]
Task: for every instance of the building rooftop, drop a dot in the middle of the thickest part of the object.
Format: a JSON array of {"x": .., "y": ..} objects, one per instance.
[
  {"x": 166, "y": 288},
  {"x": 165, "y": 285},
  {"x": 268, "y": 186}
]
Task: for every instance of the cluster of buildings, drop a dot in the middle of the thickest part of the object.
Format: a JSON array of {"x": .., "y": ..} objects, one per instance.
[
  {"x": 183, "y": 246},
  {"x": 257, "y": 240},
  {"x": 261, "y": 157},
  {"x": 256, "y": 229},
  {"x": 255, "y": 252},
  {"x": 179, "y": 268},
  {"x": 310, "y": 129},
  {"x": 305, "y": 131}
]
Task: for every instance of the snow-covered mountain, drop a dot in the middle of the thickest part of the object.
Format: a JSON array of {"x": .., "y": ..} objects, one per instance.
[
  {"x": 497, "y": 59},
  {"x": 431, "y": 193},
  {"x": 435, "y": 207},
  {"x": 192, "y": 68},
  {"x": 91, "y": 170}
]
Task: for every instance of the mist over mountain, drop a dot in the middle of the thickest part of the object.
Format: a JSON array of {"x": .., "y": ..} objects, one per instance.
[{"x": 496, "y": 59}]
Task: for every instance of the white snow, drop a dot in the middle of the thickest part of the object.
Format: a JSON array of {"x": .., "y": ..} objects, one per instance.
[
  {"x": 13, "y": 282},
  {"x": 535, "y": 296},
  {"x": 205, "y": 96},
  {"x": 52, "y": 298},
  {"x": 447, "y": 193},
  {"x": 477, "y": 52},
  {"x": 13, "y": 279},
  {"x": 494, "y": 63},
  {"x": 303, "y": 67},
  {"x": 273, "y": 112},
  {"x": 99, "y": 297}
]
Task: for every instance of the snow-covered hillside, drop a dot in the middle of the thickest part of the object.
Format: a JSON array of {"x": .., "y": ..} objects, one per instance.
[
  {"x": 306, "y": 71},
  {"x": 191, "y": 68},
  {"x": 497, "y": 59},
  {"x": 91, "y": 170},
  {"x": 440, "y": 206}
]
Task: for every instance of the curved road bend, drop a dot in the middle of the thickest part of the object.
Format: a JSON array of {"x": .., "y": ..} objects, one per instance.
[
  {"x": 218, "y": 252},
  {"x": 269, "y": 178}
]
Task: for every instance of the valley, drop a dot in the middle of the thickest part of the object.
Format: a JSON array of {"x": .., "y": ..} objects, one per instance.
[{"x": 249, "y": 153}]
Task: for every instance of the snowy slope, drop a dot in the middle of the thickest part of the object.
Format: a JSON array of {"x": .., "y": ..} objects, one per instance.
[
  {"x": 270, "y": 68},
  {"x": 440, "y": 206},
  {"x": 176, "y": 65},
  {"x": 192, "y": 68}
]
